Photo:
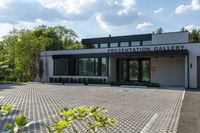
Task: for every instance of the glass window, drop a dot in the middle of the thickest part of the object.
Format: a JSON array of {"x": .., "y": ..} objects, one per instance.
[
  {"x": 104, "y": 66},
  {"x": 124, "y": 44},
  {"x": 95, "y": 45},
  {"x": 113, "y": 45},
  {"x": 86, "y": 66},
  {"x": 133, "y": 70},
  {"x": 61, "y": 67},
  {"x": 135, "y": 43},
  {"x": 144, "y": 43},
  {"x": 123, "y": 67},
  {"x": 96, "y": 60},
  {"x": 103, "y": 45},
  {"x": 146, "y": 70}
]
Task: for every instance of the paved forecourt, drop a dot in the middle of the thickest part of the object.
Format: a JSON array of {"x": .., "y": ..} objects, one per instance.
[{"x": 139, "y": 110}]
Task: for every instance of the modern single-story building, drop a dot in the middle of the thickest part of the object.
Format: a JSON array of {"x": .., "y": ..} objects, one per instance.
[{"x": 167, "y": 58}]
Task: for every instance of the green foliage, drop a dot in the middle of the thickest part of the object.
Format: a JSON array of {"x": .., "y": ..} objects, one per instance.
[
  {"x": 6, "y": 109},
  {"x": 194, "y": 35},
  {"x": 59, "y": 37},
  {"x": 159, "y": 31},
  {"x": 20, "y": 50},
  {"x": 95, "y": 116},
  {"x": 4, "y": 70},
  {"x": 20, "y": 123}
]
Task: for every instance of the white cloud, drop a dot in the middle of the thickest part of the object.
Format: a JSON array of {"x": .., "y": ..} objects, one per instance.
[
  {"x": 158, "y": 10},
  {"x": 3, "y": 3},
  {"x": 193, "y": 6},
  {"x": 5, "y": 28},
  {"x": 102, "y": 23},
  {"x": 191, "y": 27},
  {"x": 69, "y": 6},
  {"x": 108, "y": 13},
  {"x": 144, "y": 26},
  {"x": 127, "y": 6}
]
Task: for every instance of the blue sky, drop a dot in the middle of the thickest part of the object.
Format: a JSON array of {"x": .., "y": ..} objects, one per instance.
[{"x": 96, "y": 18}]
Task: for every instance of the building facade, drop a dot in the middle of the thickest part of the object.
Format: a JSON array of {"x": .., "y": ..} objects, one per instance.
[{"x": 168, "y": 59}]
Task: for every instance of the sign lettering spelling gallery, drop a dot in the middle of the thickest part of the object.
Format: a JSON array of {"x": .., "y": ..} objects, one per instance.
[{"x": 146, "y": 49}]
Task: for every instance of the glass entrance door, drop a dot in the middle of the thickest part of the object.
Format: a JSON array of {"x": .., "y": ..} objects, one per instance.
[
  {"x": 123, "y": 70},
  {"x": 133, "y": 70},
  {"x": 145, "y": 70}
]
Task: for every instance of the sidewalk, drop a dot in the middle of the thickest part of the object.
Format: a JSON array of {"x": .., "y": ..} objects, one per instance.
[{"x": 190, "y": 113}]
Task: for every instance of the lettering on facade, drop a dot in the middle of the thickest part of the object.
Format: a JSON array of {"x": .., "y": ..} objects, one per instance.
[{"x": 146, "y": 49}]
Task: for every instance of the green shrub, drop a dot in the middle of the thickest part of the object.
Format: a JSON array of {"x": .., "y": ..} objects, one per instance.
[
  {"x": 94, "y": 116},
  {"x": 71, "y": 80},
  {"x": 100, "y": 81},
  {"x": 96, "y": 81},
  {"x": 104, "y": 81},
  {"x": 75, "y": 80},
  {"x": 89, "y": 80},
  {"x": 51, "y": 79},
  {"x": 55, "y": 80},
  {"x": 113, "y": 83},
  {"x": 80, "y": 81},
  {"x": 85, "y": 81},
  {"x": 60, "y": 80},
  {"x": 66, "y": 80}
]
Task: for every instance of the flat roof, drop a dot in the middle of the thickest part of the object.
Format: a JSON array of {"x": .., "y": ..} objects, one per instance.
[
  {"x": 127, "y": 54},
  {"x": 111, "y": 39}
]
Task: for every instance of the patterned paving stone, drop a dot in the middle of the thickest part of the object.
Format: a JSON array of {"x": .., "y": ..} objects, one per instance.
[{"x": 139, "y": 110}]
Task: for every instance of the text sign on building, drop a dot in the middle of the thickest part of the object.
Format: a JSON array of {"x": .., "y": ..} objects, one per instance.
[{"x": 147, "y": 49}]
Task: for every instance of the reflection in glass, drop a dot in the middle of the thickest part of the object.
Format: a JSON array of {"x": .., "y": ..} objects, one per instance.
[
  {"x": 61, "y": 67},
  {"x": 146, "y": 70},
  {"x": 104, "y": 70},
  {"x": 135, "y": 43},
  {"x": 96, "y": 45},
  {"x": 124, "y": 44},
  {"x": 133, "y": 69},
  {"x": 103, "y": 45},
  {"x": 123, "y": 73},
  {"x": 113, "y": 45},
  {"x": 86, "y": 67},
  {"x": 144, "y": 43}
]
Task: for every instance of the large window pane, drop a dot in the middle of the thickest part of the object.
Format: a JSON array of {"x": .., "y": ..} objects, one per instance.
[
  {"x": 133, "y": 69},
  {"x": 112, "y": 45},
  {"x": 124, "y": 44},
  {"x": 95, "y": 45},
  {"x": 61, "y": 67},
  {"x": 144, "y": 43},
  {"x": 96, "y": 60},
  {"x": 103, "y": 45},
  {"x": 86, "y": 67},
  {"x": 135, "y": 43},
  {"x": 123, "y": 70},
  {"x": 146, "y": 70},
  {"x": 104, "y": 67}
]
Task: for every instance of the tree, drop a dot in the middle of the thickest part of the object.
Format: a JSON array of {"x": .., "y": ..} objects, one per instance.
[
  {"x": 21, "y": 49},
  {"x": 194, "y": 36},
  {"x": 183, "y": 29},
  {"x": 59, "y": 37},
  {"x": 159, "y": 30}
]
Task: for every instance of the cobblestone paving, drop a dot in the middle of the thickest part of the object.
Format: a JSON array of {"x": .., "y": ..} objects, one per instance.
[{"x": 138, "y": 110}]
